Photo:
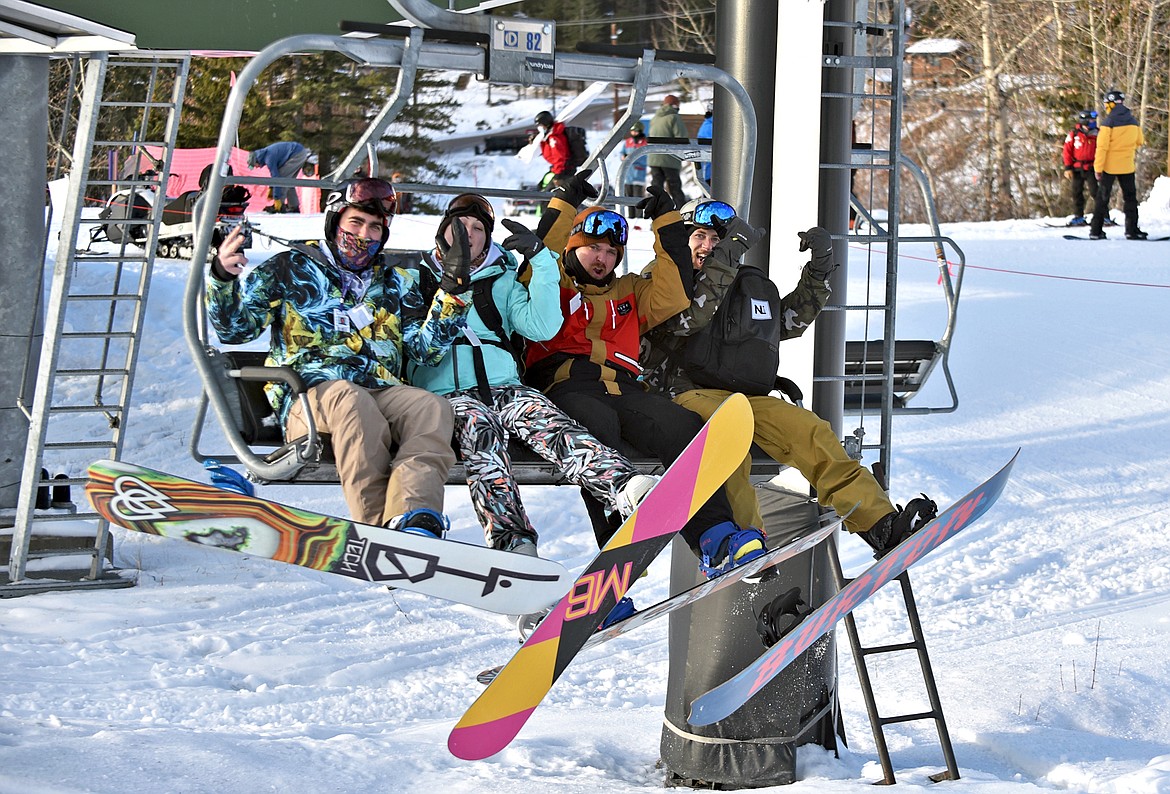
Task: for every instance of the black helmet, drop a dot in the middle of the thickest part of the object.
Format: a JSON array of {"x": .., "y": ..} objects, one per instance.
[
  {"x": 1088, "y": 119},
  {"x": 1115, "y": 96},
  {"x": 544, "y": 119},
  {"x": 370, "y": 194}
]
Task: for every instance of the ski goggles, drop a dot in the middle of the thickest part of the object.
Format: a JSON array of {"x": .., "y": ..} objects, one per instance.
[
  {"x": 377, "y": 194},
  {"x": 710, "y": 215},
  {"x": 605, "y": 223},
  {"x": 471, "y": 204}
]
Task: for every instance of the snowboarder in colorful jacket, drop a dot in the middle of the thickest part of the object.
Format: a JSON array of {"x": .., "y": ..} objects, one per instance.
[{"x": 334, "y": 311}]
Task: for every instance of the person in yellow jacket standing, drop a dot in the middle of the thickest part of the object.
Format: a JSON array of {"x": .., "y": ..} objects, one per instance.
[{"x": 1117, "y": 142}]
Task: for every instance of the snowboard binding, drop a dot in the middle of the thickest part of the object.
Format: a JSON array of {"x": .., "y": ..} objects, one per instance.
[{"x": 781, "y": 615}]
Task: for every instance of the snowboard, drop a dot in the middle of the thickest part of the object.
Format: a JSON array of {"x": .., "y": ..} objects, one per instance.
[
  {"x": 497, "y": 716},
  {"x": 1147, "y": 240},
  {"x": 729, "y": 696},
  {"x": 157, "y": 503},
  {"x": 754, "y": 570}
]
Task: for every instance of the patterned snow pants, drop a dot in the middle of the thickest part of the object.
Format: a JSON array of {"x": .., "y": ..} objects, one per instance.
[{"x": 482, "y": 433}]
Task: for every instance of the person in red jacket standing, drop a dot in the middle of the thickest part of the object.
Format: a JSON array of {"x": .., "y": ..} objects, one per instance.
[
  {"x": 554, "y": 148},
  {"x": 1080, "y": 146}
]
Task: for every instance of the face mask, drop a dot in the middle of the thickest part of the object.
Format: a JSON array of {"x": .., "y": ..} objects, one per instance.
[{"x": 356, "y": 252}]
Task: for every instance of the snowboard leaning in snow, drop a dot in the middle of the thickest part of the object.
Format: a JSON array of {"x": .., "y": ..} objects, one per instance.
[
  {"x": 756, "y": 568},
  {"x": 729, "y": 696},
  {"x": 162, "y": 504},
  {"x": 499, "y": 713}
]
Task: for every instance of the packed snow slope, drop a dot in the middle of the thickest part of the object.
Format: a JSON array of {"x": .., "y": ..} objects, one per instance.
[{"x": 1048, "y": 621}]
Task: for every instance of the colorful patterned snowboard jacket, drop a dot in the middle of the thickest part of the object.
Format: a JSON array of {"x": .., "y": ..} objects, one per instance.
[{"x": 315, "y": 323}]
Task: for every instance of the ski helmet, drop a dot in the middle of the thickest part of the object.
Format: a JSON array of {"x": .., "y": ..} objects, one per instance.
[
  {"x": 1115, "y": 96},
  {"x": 1088, "y": 119},
  {"x": 372, "y": 195},
  {"x": 706, "y": 213},
  {"x": 544, "y": 119}
]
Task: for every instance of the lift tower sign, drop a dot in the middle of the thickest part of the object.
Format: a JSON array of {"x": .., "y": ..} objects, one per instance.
[{"x": 522, "y": 51}]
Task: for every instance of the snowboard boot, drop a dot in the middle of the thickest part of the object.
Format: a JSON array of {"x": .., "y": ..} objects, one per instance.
[
  {"x": 725, "y": 546},
  {"x": 633, "y": 492},
  {"x": 229, "y": 479},
  {"x": 423, "y": 521},
  {"x": 1096, "y": 235},
  {"x": 518, "y": 544},
  {"x": 1136, "y": 234},
  {"x": 895, "y": 527}
]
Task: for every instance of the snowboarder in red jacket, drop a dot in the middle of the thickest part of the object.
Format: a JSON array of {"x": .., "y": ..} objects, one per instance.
[{"x": 1080, "y": 146}]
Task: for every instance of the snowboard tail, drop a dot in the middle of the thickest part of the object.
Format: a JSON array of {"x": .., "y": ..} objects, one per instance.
[
  {"x": 729, "y": 696},
  {"x": 162, "y": 504},
  {"x": 499, "y": 713}
]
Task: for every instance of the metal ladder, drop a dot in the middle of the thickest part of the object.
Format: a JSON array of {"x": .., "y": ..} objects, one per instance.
[
  {"x": 127, "y": 98},
  {"x": 878, "y": 49}
]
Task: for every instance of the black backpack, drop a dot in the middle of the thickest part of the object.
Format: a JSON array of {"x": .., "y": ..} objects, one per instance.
[
  {"x": 578, "y": 150},
  {"x": 740, "y": 349}
]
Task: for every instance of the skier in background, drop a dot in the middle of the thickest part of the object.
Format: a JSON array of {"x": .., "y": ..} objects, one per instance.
[{"x": 1080, "y": 146}]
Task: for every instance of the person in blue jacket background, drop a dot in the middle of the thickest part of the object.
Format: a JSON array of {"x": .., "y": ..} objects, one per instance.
[{"x": 283, "y": 159}]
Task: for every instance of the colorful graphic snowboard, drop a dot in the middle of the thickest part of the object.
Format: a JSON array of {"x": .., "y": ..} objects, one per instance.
[
  {"x": 509, "y": 700},
  {"x": 162, "y": 504},
  {"x": 726, "y": 698},
  {"x": 756, "y": 568}
]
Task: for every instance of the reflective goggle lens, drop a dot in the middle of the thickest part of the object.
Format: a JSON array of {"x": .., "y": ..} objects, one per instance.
[
  {"x": 709, "y": 213},
  {"x": 606, "y": 223},
  {"x": 474, "y": 202},
  {"x": 377, "y": 192}
]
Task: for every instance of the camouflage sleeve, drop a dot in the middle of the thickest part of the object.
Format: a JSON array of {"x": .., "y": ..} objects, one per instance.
[
  {"x": 429, "y": 327},
  {"x": 239, "y": 310},
  {"x": 801, "y": 306},
  {"x": 711, "y": 286}
]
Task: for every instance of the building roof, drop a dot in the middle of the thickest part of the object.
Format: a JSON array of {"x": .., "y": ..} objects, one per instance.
[{"x": 937, "y": 47}]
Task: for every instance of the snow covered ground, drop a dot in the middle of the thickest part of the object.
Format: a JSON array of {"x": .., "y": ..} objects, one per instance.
[{"x": 1048, "y": 621}]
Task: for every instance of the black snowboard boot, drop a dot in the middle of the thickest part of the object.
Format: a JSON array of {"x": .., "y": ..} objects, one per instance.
[{"x": 895, "y": 527}]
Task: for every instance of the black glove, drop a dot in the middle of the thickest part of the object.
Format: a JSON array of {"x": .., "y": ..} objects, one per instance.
[
  {"x": 576, "y": 188},
  {"x": 821, "y": 244},
  {"x": 656, "y": 204},
  {"x": 456, "y": 259},
  {"x": 522, "y": 240},
  {"x": 737, "y": 236}
]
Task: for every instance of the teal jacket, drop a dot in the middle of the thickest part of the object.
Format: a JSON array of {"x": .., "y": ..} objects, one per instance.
[{"x": 533, "y": 310}]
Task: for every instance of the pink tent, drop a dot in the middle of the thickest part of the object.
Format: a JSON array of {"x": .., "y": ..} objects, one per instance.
[{"x": 187, "y": 164}]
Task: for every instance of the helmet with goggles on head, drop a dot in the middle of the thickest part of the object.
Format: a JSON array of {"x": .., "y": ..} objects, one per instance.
[
  {"x": 1088, "y": 119},
  {"x": 707, "y": 214},
  {"x": 592, "y": 224},
  {"x": 370, "y": 194}
]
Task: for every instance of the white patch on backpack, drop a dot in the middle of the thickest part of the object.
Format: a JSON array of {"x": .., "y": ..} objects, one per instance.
[{"x": 761, "y": 310}]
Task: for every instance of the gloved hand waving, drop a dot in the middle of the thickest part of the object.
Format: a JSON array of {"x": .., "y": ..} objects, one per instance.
[
  {"x": 576, "y": 189},
  {"x": 737, "y": 236},
  {"x": 820, "y": 243},
  {"x": 656, "y": 204},
  {"x": 456, "y": 259},
  {"x": 522, "y": 240}
]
